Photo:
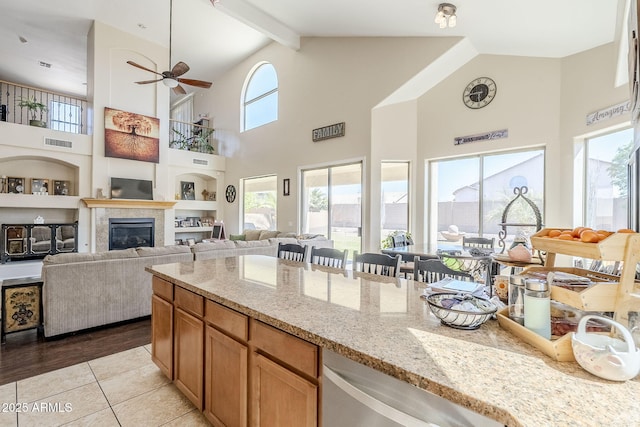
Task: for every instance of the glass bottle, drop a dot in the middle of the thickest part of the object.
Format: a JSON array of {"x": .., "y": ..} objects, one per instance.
[{"x": 537, "y": 307}]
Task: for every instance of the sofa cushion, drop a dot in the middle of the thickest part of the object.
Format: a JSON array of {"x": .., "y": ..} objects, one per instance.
[
  {"x": 86, "y": 257},
  {"x": 252, "y": 234},
  {"x": 252, "y": 243},
  {"x": 162, "y": 250},
  {"x": 268, "y": 234},
  {"x": 213, "y": 246},
  {"x": 284, "y": 234},
  {"x": 237, "y": 237},
  {"x": 283, "y": 240}
]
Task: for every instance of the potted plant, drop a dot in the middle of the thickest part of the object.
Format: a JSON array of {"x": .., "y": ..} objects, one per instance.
[
  {"x": 34, "y": 108},
  {"x": 198, "y": 141}
]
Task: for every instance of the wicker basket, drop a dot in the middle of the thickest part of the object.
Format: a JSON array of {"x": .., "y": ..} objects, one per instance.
[{"x": 460, "y": 319}]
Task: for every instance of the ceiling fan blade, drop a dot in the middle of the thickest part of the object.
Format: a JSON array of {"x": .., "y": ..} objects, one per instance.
[
  {"x": 179, "y": 90},
  {"x": 179, "y": 69},
  {"x": 144, "y": 82},
  {"x": 143, "y": 68},
  {"x": 197, "y": 83}
]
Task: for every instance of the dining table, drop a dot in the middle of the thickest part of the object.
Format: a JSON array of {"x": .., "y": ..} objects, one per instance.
[{"x": 476, "y": 261}]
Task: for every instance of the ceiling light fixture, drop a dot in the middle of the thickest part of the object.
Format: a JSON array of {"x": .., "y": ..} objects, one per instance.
[
  {"x": 446, "y": 16},
  {"x": 170, "y": 82}
]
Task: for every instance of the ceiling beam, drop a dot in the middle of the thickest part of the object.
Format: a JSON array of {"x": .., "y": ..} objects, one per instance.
[{"x": 260, "y": 21}]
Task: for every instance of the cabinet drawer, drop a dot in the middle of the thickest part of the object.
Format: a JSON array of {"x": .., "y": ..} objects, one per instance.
[
  {"x": 226, "y": 319},
  {"x": 291, "y": 350},
  {"x": 189, "y": 301},
  {"x": 162, "y": 288}
]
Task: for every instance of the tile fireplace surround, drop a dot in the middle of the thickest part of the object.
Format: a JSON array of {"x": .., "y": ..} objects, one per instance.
[{"x": 104, "y": 209}]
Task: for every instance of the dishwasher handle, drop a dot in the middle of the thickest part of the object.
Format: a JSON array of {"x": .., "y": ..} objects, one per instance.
[{"x": 372, "y": 403}]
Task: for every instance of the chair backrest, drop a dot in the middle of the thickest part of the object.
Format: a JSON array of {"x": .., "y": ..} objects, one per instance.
[
  {"x": 292, "y": 251},
  {"x": 374, "y": 263},
  {"x": 433, "y": 270},
  {"x": 399, "y": 240},
  {"x": 329, "y": 257},
  {"x": 478, "y": 242}
]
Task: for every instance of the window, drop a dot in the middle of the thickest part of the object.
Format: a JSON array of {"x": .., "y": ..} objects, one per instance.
[
  {"x": 260, "y": 203},
  {"x": 395, "y": 197},
  {"x": 331, "y": 204},
  {"x": 471, "y": 193},
  {"x": 65, "y": 117},
  {"x": 260, "y": 100},
  {"x": 605, "y": 195}
]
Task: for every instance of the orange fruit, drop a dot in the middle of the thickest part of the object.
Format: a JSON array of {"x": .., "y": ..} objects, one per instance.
[
  {"x": 565, "y": 236},
  {"x": 589, "y": 236},
  {"x": 554, "y": 233},
  {"x": 576, "y": 231}
]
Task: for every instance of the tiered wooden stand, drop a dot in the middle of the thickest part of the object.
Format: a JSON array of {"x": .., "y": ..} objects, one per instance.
[{"x": 617, "y": 294}]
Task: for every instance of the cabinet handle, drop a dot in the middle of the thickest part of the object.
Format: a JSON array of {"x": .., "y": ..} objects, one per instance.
[{"x": 372, "y": 403}]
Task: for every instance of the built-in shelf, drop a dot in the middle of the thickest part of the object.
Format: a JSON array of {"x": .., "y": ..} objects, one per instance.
[
  {"x": 204, "y": 205},
  {"x": 128, "y": 203},
  {"x": 193, "y": 229},
  {"x": 37, "y": 201}
]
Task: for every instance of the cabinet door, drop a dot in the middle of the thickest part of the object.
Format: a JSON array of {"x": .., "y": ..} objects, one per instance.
[
  {"x": 188, "y": 353},
  {"x": 280, "y": 397},
  {"x": 225, "y": 380},
  {"x": 162, "y": 335}
]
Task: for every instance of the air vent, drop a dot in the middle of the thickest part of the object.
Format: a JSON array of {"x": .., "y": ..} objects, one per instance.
[
  {"x": 58, "y": 143},
  {"x": 201, "y": 162}
]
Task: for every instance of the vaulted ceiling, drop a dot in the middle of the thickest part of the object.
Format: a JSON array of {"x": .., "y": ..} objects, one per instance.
[{"x": 213, "y": 38}]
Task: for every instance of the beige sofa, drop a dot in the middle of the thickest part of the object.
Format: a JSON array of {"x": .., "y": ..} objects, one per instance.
[
  {"x": 83, "y": 290},
  {"x": 255, "y": 242}
]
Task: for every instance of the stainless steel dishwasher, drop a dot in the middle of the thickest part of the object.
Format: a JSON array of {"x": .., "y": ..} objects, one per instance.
[{"x": 355, "y": 395}]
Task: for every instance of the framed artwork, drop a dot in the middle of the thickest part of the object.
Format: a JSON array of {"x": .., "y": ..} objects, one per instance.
[
  {"x": 61, "y": 188},
  {"x": 131, "y": 136},
  {"x": 207, "y": 221},
  {"x": 193, "y": 221},
  {"x": 39, "y": 186},
  {"x": 178, "y": 242},
  {"x": 15, "y": 185},
  {"x": 187, "y": 190}
]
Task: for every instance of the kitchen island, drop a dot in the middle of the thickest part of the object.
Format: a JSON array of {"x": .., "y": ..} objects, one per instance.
[{"x": 383, "y": 323}]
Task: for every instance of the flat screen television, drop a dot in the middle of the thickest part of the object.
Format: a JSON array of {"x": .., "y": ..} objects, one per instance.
[{"x": 124, "y": 188}]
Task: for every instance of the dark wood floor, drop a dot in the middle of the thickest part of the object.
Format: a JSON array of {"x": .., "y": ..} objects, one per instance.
[{"x": 25, "y": 354}]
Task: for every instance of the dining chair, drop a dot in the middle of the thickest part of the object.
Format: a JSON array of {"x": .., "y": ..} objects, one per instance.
[
  {"x": 478, "y": 242},
  {"x": 374, "y": 263},
  {"x": 433, "y": 270},
  {"x": 292, "y": 252},
  {"x": 329, "y": 257}
]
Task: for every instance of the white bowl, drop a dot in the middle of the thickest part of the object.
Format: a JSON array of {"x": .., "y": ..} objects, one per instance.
[{"x": 604, "y": 356}]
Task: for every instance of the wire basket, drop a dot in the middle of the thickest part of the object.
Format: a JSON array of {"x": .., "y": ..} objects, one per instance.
[{"x": 441, "y": 303}]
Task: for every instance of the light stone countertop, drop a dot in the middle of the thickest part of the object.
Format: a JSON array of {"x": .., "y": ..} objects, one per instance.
[{"x": 384, "y": 324}]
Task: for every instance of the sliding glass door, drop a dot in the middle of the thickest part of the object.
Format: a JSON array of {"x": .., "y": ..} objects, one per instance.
[{"x": 332, "y": 204}]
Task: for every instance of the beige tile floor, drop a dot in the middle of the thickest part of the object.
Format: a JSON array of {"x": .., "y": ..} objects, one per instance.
[{"x": 123, "y": 389}]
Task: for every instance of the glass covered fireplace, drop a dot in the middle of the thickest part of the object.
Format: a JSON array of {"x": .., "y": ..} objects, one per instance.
[{"x": 131, "y": 232}]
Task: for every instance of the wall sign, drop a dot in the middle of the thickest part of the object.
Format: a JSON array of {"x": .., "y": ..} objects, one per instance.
[
  {"x": 496, "y": 134},
  {"x": 327, "y": 132},
  {"x": 609, "y": 112}
]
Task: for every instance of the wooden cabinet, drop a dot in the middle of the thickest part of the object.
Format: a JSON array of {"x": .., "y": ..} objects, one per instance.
[
  {"x": 281, "y": 397},
  {"x": 226, "y": 366},
  {"x": 188, "y": 345},
  {"x": 225, "y": 379},
  {"x": 284, "y": 378},
  {"x": 237, "y": 370},
  {"x": 162, "y": 325}
]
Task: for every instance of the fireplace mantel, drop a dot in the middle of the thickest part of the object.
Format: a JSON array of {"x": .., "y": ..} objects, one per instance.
[{"x": 128, "y": 203}]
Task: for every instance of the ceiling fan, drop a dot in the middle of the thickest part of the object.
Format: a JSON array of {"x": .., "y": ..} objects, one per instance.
[{"x": 172, "y": 78}]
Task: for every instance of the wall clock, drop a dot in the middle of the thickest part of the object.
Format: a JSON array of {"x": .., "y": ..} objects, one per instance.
[
  {"x": 479, "y": 93},
  {"x": 230, "y": 193}
]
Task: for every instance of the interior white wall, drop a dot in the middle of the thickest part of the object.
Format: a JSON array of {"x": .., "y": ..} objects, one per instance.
[
  {"x": 329, "y": 80},
  {"x": 541, "y": 101}
]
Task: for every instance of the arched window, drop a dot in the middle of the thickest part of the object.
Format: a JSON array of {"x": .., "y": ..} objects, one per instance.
[{"x": 260, "y": 100}]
